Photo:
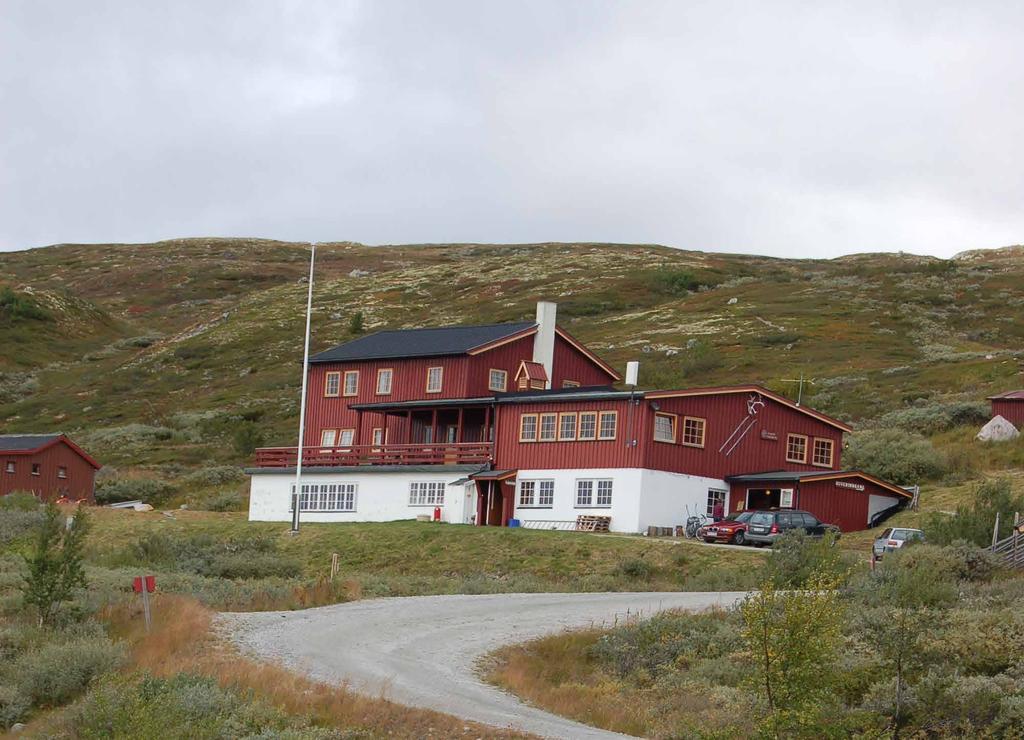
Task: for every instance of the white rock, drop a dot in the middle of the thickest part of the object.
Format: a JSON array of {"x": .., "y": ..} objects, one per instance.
[
  {"x": 998, "y": 430},
  {"x": 733, "y": 301}
]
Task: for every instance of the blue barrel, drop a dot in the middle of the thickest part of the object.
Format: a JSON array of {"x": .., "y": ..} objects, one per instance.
[{"x": 513, "y": 522}]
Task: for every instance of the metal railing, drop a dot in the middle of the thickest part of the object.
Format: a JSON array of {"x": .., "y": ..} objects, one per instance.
[{"x": 463, "y": 453}]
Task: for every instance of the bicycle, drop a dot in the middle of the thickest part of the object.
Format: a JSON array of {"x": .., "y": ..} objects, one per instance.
[{"x": 693, "y": 525}]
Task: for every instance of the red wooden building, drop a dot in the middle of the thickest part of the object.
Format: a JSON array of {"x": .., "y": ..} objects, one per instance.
[
  {"x": 1010, "y": 406},
  {"x": 49, "y": 465},
  {"x": 491, "y": 423}
]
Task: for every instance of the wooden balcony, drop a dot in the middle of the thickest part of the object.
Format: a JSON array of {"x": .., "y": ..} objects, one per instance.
[{"x": 464, "y": 453}]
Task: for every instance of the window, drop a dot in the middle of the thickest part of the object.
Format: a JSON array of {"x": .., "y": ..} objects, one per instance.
[
  {"x": 588, "y": 425},
  {"x": 664, "y": 427},
  {"x": 351, "y": 382},
  {"x": 498, "y": 380},
  {"x": 536, "y": 493},
  {"x": 62, "y": 471},
  {"x": 608, "y": 422},
  {"x": 434, "y": 378},
  {"x": 570, "y": 384},
  {"x": 528, "y": 428},
  {"x": 585, "y": 493},
  {"x": 328, "y": 437},
  {"x": 345, "y": 437},
  {"x": 378, "y": 437},
  {"x": 36, "y": 469},
  {"x": 426, "y": 493},
  {"x": 567, "y": 426},
  {"x": 332, "y": 384},
  {"x": 693, "y": 431},
  {"x": 822, "y": 453},
  {"x": 10, "y": 466},
  {"x": 548, "y": 427},
  {"x": 326, "y": 497},
  {"x": 786, "y": 498},
  {"x": 796, "y": 448},
  {"x": 384, "y": 377},
  {"x": 716, "y": 500}
]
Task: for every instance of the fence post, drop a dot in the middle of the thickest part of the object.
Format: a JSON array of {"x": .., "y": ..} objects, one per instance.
[
  {"x": 995, "y": 533},
  {"x": 1016, "y": 530}
]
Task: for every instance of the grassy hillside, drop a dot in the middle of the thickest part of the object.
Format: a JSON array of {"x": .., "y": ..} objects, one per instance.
[{"x": 154, "y": 353}]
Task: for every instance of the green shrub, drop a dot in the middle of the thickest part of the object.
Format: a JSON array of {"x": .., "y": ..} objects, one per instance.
[
  {"x": 244, "y": 558},
  {"x": 894, "y": 455},
  {"x": 17, "y": 525},
  {"x": 247, "y": 438},
  {"x": 778, "y": 339},
  {"x": 58, "y": 672},
  {"x": 127, "y": 436},
  {"x": 15, "y": 306},
  {"x": 149, "y": 490},
  {"x": 225, "y": 501},
  {"x": 635, "y": 568},
  {"x": 19, "y": 501},
  {"x": 974, "y": 522},
  {"x": 215, "y": 475},
  {"x": 195, "y": 706},
  {"x": 14, "y": 705},
  {"x": 675, "y": 282},
  {"x": 931, "y": 418},
  {"x": 795, "y": 558},
  {"x": 246, "y": 566},
  {"x": 700, "y": 359}
]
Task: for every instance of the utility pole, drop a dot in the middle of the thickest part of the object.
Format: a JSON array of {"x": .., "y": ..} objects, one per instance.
[
  {"x": 801, "y": 380},
  {"x": 297, "y": 496}
]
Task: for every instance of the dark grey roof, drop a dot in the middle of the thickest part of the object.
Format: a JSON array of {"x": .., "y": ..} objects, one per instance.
[
  {"x": 19, "y": 442},
  {"x": 430, "y": 342}
]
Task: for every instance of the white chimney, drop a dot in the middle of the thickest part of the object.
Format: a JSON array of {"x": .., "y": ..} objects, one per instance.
[{"x": 544, "y": 339}]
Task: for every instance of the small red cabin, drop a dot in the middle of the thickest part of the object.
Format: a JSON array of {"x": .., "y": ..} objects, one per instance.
[
  {"x": 1010, "y": 406},
  {"x": 49, "y": 465}
]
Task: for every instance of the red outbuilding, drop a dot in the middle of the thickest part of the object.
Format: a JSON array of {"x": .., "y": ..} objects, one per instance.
[
  {"x": 49, "y": 465},
  {"x": 1010, "y": 406}
]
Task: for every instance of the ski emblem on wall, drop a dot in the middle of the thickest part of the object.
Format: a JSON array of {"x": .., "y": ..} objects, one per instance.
[{"x": 754, "y": 405}]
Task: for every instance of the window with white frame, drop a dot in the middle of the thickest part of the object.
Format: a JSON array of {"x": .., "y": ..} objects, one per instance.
[
  {"x": 346, "y": 437},
  {"x": 426, "y": 493},
  {"x": 498, "y": 380},
  {"x": 37, "y": 469},
  {"x": 594, "y": 493},
  {"x": 588, "y": 425},
  {"x": 10, "y": 466},
  {"x": 332, "y": 384},
  {"x": 693, "y": 431},
  {"x": 607, "y": 424},
  {"x": 384, "y": 378},
  {"x": 822, "y": 456},
  {"x": 786, "y": 498},
  {"x": 548, "y": 427},
  {"x": 378, "y": 436},
  {"x": 716, "y": 500},
  {"x": 570, "y": 384},
  {"x": 664, "y": 427},
  {"x": 435, "y": 377},
  {"x": 528, "y": 428},
  {"x": 537, "y": 494},
  {"x": 328, "y": 437},
  {"x": 62, "y": 471},
  {"x": 567, "y": 426},
  {"x": 326, "y": 497},
  {"x": 351, "y": 383},
  {"x": 796, "y": 448}
]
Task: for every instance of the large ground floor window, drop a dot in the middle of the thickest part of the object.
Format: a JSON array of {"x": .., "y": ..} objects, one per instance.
[
  {"x": 594, "y": 493},
  {"x": 538, "y": 494},
  {"x": 326, "y": 497},
  {"x": 426, "y": 493}
]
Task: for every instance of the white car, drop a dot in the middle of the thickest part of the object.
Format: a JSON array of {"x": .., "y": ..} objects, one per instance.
[{"x": 894, "y": 538}]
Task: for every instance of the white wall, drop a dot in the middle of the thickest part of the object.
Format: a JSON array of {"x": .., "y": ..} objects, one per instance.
[
  {"x": 640, "y": 497},
  {"x": 380, "y": 497},
  {"x": 876, "y": 503}
]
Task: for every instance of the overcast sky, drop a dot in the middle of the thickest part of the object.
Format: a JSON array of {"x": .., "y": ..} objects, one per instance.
[{"x": 784, "y": 128}]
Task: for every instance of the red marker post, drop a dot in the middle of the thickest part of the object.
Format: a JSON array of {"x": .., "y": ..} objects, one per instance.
[{"x": 145, "y": 585}]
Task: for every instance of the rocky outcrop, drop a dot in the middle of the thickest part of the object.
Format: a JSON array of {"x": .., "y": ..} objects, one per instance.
[{"x": 998, "y": 430}]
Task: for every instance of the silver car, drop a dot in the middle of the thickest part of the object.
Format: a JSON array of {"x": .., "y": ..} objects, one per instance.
[{"x": 894, "y": 538}]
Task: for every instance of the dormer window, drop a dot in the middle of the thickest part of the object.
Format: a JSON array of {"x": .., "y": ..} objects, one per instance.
[
  {"x": 435, "y": 376},
  {"x": 497, "y": 380}
]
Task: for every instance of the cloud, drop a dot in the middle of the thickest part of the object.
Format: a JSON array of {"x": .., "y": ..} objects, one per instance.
[{"x": 790, "y": 128}]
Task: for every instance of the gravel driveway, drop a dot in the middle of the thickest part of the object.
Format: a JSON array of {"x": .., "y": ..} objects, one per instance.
[{"x": 421, "y": 650}]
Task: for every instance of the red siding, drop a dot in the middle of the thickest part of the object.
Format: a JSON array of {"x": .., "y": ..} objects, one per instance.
[
  {"x": 1010, "y": 409},
  {"x": 78, "y": 484},
  {"x": 571, "y": 364},
  {"x": 506, "y": 357},
  {"x": 512, "y": 454},
  {"x": 723, "y": 414}
]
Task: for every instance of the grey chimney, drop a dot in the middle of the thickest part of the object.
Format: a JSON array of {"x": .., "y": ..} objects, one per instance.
[{"x": 544, "y": 339}]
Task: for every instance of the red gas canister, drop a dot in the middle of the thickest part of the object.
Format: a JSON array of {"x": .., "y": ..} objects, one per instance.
[{"x": 437, "y": 513}]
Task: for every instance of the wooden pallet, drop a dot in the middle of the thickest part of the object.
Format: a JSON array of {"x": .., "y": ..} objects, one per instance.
[{"x": 592, "y": 523}]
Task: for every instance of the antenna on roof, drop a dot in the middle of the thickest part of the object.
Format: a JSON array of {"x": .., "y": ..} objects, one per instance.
[
  {"x": 801, "y": 380},
  {"x": 297, "y": 496}
]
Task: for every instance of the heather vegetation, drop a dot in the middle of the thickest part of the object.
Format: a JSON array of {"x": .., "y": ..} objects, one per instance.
[{"x": 923, "y": 645}]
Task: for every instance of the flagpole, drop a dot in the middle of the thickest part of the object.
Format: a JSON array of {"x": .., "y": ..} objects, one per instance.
[{"x": 297, "y": 496}]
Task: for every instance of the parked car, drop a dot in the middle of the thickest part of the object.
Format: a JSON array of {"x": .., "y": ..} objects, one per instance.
[
  {"x": 894, "y": 538},
  {"x": 764, "y": 527},
  {"x": 732, "y": 529}
]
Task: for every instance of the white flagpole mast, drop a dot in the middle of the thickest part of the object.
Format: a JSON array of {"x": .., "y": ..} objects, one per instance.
[{"x": 297, "y": 497}]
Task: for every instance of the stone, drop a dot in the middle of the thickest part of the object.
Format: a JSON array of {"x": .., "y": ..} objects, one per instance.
[
  {"x": 998, "y": 429},
  {"x": 733, "y": 301},
  {"x": 357, "y": 273},
  {"x": 17, "y": 727}
]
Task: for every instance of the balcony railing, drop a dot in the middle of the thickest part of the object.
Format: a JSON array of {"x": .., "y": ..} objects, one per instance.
[{"x": 464, "y": 453}]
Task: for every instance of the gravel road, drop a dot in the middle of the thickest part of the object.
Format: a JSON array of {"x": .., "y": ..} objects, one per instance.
[{"x": 422, "y": 650}]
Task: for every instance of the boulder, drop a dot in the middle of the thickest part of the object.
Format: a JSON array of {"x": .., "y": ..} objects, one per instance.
[{"x": 998, "y": 430}]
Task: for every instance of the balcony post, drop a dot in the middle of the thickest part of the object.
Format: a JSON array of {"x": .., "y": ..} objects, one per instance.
[
  {"x": 433, "y": 428},
  {"x": 458, "y": 433}
]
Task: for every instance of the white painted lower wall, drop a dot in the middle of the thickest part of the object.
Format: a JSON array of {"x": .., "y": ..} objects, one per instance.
[
  {"x": 877, "y": 503},
  {"x": 380, "y": 497},
  {"x": 640, "y": 497}
]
